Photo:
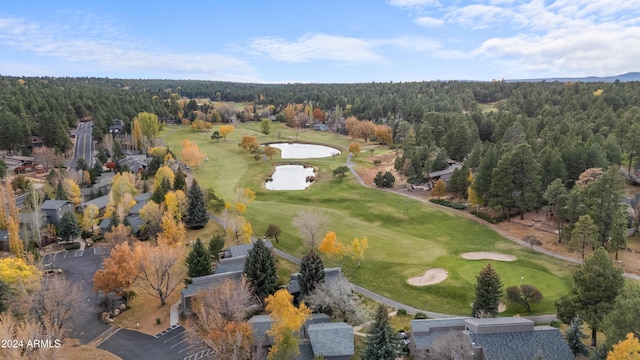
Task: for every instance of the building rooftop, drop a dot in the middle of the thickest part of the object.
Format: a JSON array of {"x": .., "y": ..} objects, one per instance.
[
  {"x": 53, "y": 204},
  {"x": 260, "y": 325},
  {"x": 544, "y": 340},
  {"x": 201, "y": 283},
  {"x": 331, "y": 339},
  {"x": 101, "y": 202}
]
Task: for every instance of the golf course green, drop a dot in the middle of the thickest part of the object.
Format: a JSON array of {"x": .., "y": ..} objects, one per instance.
[{"x": 406, "y": 236}]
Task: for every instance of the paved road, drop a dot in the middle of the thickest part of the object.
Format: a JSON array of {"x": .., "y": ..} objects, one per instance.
[{"x": 84, "y": 144}]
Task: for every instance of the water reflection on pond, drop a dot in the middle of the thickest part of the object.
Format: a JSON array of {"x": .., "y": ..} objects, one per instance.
[
  {"x": 304, "y": 151},
  {"x": 290, "y": 177}
]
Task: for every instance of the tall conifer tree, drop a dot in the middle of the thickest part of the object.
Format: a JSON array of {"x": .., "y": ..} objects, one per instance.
[
  {"x": 260, "y": 270},
  {"x": 197, "y": 215},
  {"x": 488, "y": 293},
  {"x": 198, "y": 261},
  {"x": 311, "y": 272},
  {"x": 382, "y": 342}
]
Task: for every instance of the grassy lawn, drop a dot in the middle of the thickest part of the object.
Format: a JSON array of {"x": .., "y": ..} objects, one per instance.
[{"x": 406, "y": 237}]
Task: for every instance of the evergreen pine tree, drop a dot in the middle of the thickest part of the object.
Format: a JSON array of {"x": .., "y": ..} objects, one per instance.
[
  {"x": 488, "y": 293},
  {"x": 260, "y": 270},
  {"x": 574, "y": 336},
  {"x": 160, "y": 191},
  {"x": 381, "y": 343},
  {"x": 180, "y": 180},
  {"x": 60, "y": 193},
  {"x": 114, "y": 220},
  {"x": 69, "y": 228},
  {"x": 216, "y": 245},
  {"x": 198, "y": 261},
  {"x": 311, "y": 272},
  {"x": 197, "y": 215}
]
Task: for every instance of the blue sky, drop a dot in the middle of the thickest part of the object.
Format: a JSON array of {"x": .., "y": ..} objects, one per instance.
[{"x": 320, "y": 41}]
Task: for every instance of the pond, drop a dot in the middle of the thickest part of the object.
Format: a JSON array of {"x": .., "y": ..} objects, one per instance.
[
  {"x": 304, "y": 151},
  {"x": 290, "y": 177}
]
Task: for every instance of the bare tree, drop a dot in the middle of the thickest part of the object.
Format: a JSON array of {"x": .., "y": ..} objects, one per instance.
[
  {"x": 119, "y": 234},
  {"x": 47, "y": 157},
  {"x": 311, "y": 225},
  {"x": 107, "y": 143},
  {"x": 160, "y": 272},
  {"x": 337, "y": 299},
  {"x": 53, "y": 306},
  {"x": 20, "y": 332},
  {"x": 219, "y": 319},
  {"x": 454, "y": 345}
]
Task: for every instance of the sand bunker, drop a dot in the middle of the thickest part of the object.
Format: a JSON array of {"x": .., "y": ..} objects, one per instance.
[
  {"x": 430, "y": 277},
  {"x": 486, "y": 255}
]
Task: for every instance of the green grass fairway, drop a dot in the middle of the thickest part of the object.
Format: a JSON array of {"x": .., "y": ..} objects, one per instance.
[{"x": 406, "y": 236}]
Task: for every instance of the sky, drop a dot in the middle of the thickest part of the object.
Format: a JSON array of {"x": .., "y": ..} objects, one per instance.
[{"x": 328, "y": 41}]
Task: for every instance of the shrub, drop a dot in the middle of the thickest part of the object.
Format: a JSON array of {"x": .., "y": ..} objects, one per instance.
[
  {"x": 488, "y": 218},
  {"x": 401, "y": 312},
  {"x": 377, "y": 162},
  {"x": 454, "y": 205},
  {"x": 72, "y": 246},
  {"x": 385, "y": 180},
  {"x": 420, "y": 315},
  {"x": 158, "y": 321}
]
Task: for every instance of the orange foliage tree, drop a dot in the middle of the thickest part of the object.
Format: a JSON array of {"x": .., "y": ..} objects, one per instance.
[
  {"x": 351, "y": 124},
  {"x": 249, "y": 143},
  {"x": 331, "y": 247},
  {"x": 119, "y": 271},
  {"x": 384, "y": 134},
  {"x": 354, "y": 148},
  {"x": 191, "y": 155},
  {"x": 173, "y": 231},
  {"x": 318, "y": 114}
]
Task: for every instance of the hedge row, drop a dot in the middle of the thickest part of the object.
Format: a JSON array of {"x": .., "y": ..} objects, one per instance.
[{"x": 454, "y": 205}]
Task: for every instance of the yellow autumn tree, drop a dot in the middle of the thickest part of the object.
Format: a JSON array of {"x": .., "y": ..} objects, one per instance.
[
  {"x": 90, "y": 217},
  {"x": 225, "y": 130},
  {"x": 16, "y": 246},
  {"x": 627, "y": 349},
  {"x": 473, "y": 198},
  {"x": 191, "y": 155},
  {"x": 384, "y": 134},
  {"x": 238, "y": 229},
  {"x": 159, "y": 151},
  {"x": 331, "y": 247},
  {"x": 149, "y": 124},
  {"x": 73, "y": 191},
  {"x": 164, "y": 172},
  {"x": 439, "y": 189},
  {"x": 287, "y": 320},
  {"x": 3, "y": 210},
  {"x": 121, "y": 184},
  {"x": 136, "y": 134},
  {"x": 173, "y": 231},
  {"x": 177, "y": 203},
  {"x": 19, "y": 275},
  {"x": 357, "y": 249}
]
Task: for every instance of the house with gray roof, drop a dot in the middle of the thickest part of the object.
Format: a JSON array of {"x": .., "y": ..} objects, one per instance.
[
  {"x": 230, "y": 266},
  {"x": 330, "y": 274},
  {"x": 493, "y": 338},
  {"x": 53, "y": 210},
  {"x": 100, "y": 202},
  {"x": 318, "y": 336},
  {"x": 332, "y": 340}
]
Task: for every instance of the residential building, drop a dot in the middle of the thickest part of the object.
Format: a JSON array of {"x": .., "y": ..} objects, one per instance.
[
  {"x": 492, "y": 338},
  {"x": 53, "y": 210}
]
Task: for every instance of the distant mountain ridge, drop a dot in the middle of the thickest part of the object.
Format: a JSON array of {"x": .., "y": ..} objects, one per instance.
[{"x": 630, "y": 76}]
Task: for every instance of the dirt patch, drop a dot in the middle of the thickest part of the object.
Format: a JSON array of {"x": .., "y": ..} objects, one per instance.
[
  {"x": 386, "y": 164},
  {"x": 73, "y": 350},
  {"x": 486, "y": 255},
  {"x": 430, "y": 277}
]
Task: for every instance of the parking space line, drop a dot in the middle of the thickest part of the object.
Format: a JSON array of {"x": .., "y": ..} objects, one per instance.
[
  {"x": 65, "y": 254},
  {"x": 174, "y": 345},
  {"x": 79, "y": 253},
  {"x": 174, "y": 337},
  {"x": 185, "y": 349}
]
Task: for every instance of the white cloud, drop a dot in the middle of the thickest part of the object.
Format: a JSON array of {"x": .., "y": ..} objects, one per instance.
[
  {"x": 414, "y": 3},
  {"x": 428, "y": 21},
  {"x": 104, "y": 48},
  {"x": 312, "y": 47},
  {"x": 480, "y": 16}
]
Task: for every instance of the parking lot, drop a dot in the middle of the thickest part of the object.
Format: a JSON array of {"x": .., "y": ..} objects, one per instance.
[
  {"x": 174, "y": 343},
  {"x": 78, "y": 266}
]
